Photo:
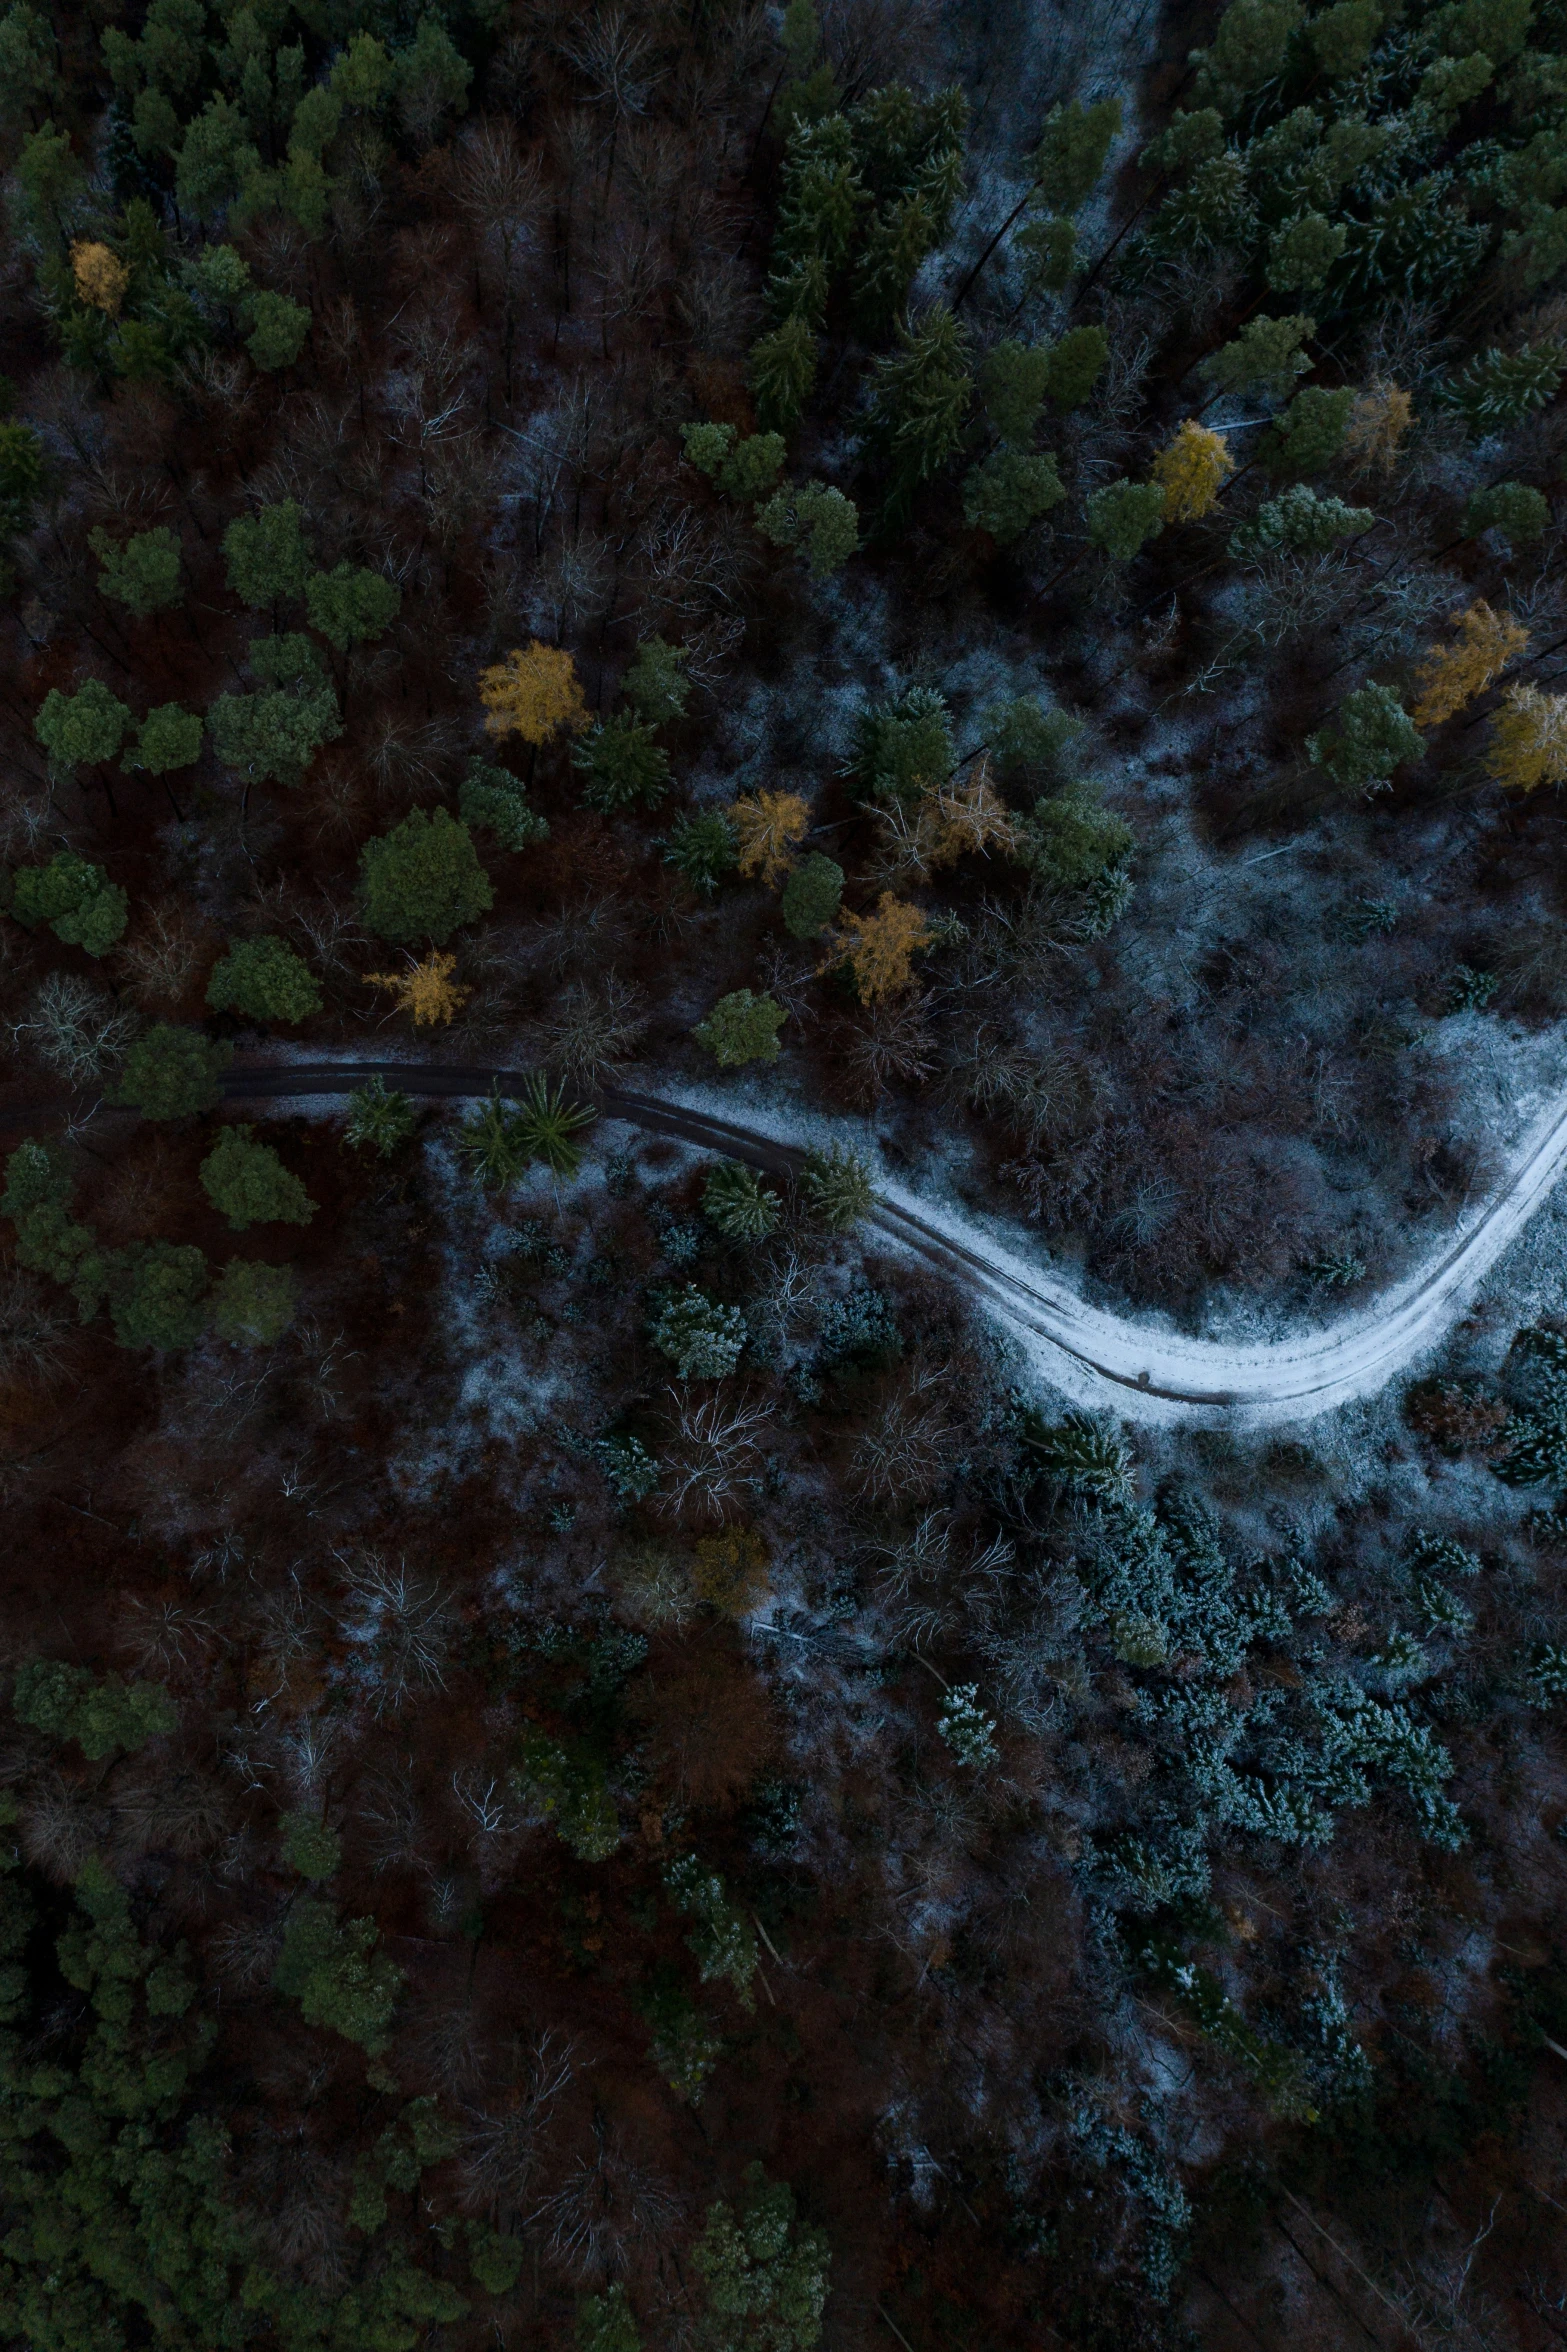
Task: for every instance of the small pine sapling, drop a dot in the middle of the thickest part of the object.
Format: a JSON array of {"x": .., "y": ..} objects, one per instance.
[
  {"x": 735, "y": 1202},
  {"x": 701, "y": 847},
  {"x": 838, "y": 1189},
  {"x": 379, "y": 1119},
  {"x": 1375, "y": 736},
  {"x": 812, "y": 896},
  {"x": 496, "y": 800},
  {"x": 968, "y": 1731},
  {"x": 1123, "y": 516},
  {"x": 1515, "y": 512},
  {"x": 655, "y": 684},
  {"x": 701, "y": 1337},
  {"x": 742, "y": 1027},
  {"x": 248, "y": 1183},
  {"x": 623, "y": 765}
]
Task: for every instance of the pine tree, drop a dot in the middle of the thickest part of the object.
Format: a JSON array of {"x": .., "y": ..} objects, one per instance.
[
  {"x": 811, "y": 896},
  {"x": 143, "y": 574},
  {"x": 1123, "y": 516},
  {"x": 351, "y": 606},
  {"x": 1301, "y": 254},
  {"x": 623, "y": 765},
  {"x": 267, "y": 556},
  {"x": 701, "y": 1337},
  {"x": 765, "y": 2276},
  {"x": 248, "y": 1183},
  {"x": 252, "y": 1304},
  {"x": 1311, "y": 432},
  {"x": 811, "y": 516},
  {"x": 1301, "y": 520},
  {"x": 1076, "y": 363},
  {"x": 1264, "y": 357},
  {"x": 423, "y": 879},
  {"x": 742, "y": 1028},
  {"x": 735, "y": 1202},
  {"x": 168, "y": 738},
  {"x": 75, "y": 898},
  {"x": 968, "y": 1731},
  {"x": 838, "y": 1188},
  {"x": 1516, "y": 512},
  {"x": 1009, "y": 491},
  {"x": 265, "y": 979},
  {"x": 172, "y": 1073},
  {"x": 378, "y": 1120},
  {"x": 84, "y": 729},
  {"x": 783, "y": 374},
  {"x": 919, "y": 403},
  {"x": 1376, "y": 736},
  {"x": 701, "y": 848}
]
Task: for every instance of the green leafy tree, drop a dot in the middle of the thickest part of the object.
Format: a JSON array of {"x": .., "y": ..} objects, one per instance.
[
  {"x": 1266, "y": 356},
  {"x": 278, "y": 328},
  {"x": 1310, "y": 433},
  {"x": 350, "y": 606},
  {"x": 822, "y": 522},
  {"x": 83, "y": 729},
  {"x": 143, "y": 574},
  {"x": 1013, "y": 381},
  {"x": 1519, "y": 514},
  {"x": 1073, "y": 145},
  {"x": 903, "y": 748},
  {"x": 766, "y": 2275},
  {"x": 1123, "y": 516},
  {"x": 156, "y": 1293},
  {"x": 655, "y": 684},
  {"x": 496, "y": 800},
  {"x": 811, "y": 896},
  {"x": 168, "y": 738},
  {"x": 919, "y": 403},
  {"x": 104, "y": 1715},
  {"x": 75, "y": 898},
  {"x": 173, "y": 1073},
  {"x": 423, "y": 879},
  {"x": 734, "y": 1200},
  {"x": 378, "y": 1120},
  {"x": 701, "y": 848},
  {"x": 267, "y": 556},
  {"x": 701, "y": 1337},
  {"x": 1071, "y": 842},
  {"x": 265, "y": 979},
  {"x": 1010, "y": 490},
  {"x": 1076, "y": 364},
  {"x": 623, "y": 765},
  {"x": 252, "y": 1304},
  {"x": 1301, "y": 254},
  {"x": 339, "y": 1978},
  {"x": 783, "y": 374},
  {"x": 273, "y": 736},
  {"x": 838, "y": 1188},
  {"x": 605, "y": 2322},
  {"x": 309, "y": 1846},
  {"x": 1375, "y": 736},
  {"x": 742, "y": 1027},
  {"x": 1298, "y": 519},
  {"x": 248, "y": 1183}
]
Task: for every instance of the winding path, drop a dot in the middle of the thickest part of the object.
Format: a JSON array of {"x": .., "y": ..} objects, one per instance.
[{"x": 1141, "y": 1370}]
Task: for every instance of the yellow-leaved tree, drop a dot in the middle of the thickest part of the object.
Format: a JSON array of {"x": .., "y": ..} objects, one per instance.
[
  {"x": 1192, "y": 470},
  {"x": 880, "y": 948},
  {"x": 1528, "y": 743},
  {"x": 1452, "y": 675},
  {"x": 1377, "y": 425},
  {"x": 426, "y": 990},
  {"x": 100, "y": 276},
  {"x": 951, "y": 819},
  {"x": 535, "y": 694},
  {"x": 768, "y": 828}
]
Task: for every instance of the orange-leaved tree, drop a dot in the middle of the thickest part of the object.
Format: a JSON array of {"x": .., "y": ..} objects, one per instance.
[
  {"x": 1528, "y": 743},
  {"x": 768, "y": 827},
  {"x": 534, "y": 694},
  {"x": 1452, "y": 675},
  {"x": 426, "y": 990},
  {"x": 1192, "y": 470},
  {"x": 879, "y": 949},
  {"x": 1377, "y": 425}
]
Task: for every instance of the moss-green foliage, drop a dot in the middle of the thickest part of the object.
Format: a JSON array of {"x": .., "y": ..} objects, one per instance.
[
  {"x": 350, "y": 606},
  {"x": 1074, "y": 144},
  {"x": 252, "y": 1304},
  {"x": 49, "y": 1240},
  {"x": 265, "y": 979},
  {"x": 1309, "y": 434},
  {"x": 742, "y": 1027},
  {"x": 1124, "y": 516},
  {"x": 1076, "y": 363},
  {"x": 1009, "y": 490},
  {"x": 903, "y": 748},
  {"x": 1013, "y": 380},
  {"x": 569, "y": 1787},
  {"x": 783, "y": 374},
  {"x": 173, "y": 1073},
  {"x": 103, "y": 1714},
  {"x": 735, "y": 1200},
  {"x": 655, "y": 683},
  {"x": 1301, "y": 521},
  {"x": 333, "y": 1969},
  {"x": 267, "y": 555},
  {"x": 605, "y": 2323},
  {"x": 278, "y": 328},
  {"x": 75, "y": 898},
  {"x": 821, "y": 522},
  {"x": 920, "y": 397},
  {"x": 623, "y": 763},
  {"x": 811, "y": 896},
  {"x": 378, "y": 1120},
  {"x": 1521, "y": 515},
  {"x": 745, "y": 467},
  {"x": 1375, "y": 735},
  {"x": 156, "y": 1294},
  {"x": 248, "y": 1183},
  {"x": 423, "y": 880},
  {"x": 493, "y": 800},
  {"x": 838, "y": 1188},
  {"x": 701, "y": 847},
  {"x": 309, "y": 1846},
  {"x": 168, "y": 738},
  {"x": 84, "y": 729},
  {"x": 143, "y": 574},
  {"x": 765, "y": 2273},
  {"x": 1266, "y": 356},
  {"x": 701, "y": 1337},
  {"x": 1071, "y": 842},
  {"x": 1025, "y": 737},
  {"x": 721, "y": 1940}
]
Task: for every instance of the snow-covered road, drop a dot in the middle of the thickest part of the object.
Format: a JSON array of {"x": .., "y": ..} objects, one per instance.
[{"x": 1139, "y": 1369}]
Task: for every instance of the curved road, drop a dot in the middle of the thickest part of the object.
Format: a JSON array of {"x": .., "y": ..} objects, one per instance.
[{"x": 1141, "y": 1370}]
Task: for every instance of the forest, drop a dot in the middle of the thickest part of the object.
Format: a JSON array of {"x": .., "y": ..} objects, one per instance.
[{"x": 593, "y": 1757}]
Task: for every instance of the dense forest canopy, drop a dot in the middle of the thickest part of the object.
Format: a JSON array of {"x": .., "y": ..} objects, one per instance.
[{"x": 591, "y": 1755}]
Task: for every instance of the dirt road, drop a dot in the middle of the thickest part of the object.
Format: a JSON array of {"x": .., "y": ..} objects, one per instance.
[{"x": 1141, "y": 1370}]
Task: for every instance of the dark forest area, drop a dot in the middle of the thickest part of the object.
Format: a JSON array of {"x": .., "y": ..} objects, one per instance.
[{"x": 590, "y": 1755}]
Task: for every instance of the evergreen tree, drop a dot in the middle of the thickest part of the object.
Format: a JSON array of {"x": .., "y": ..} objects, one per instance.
[
  {"x": 1310, "y": 433},
  {"x": 423, "y": 880},
  {"x": 172, "y": 1073},
  {"x": 495, "y": 800},
  {"x": 765, "y": 2275},
  {"x": 655, "y": 684},
  {"x": 812, "y": 896},
  {"x": 623, "y": 765},
  {"x": 248, "y": 1183},
  {"x": 838, "y": 1189},
  {"x": 168, "y": 738},
  {"x": 350, "y": 606},
  {"x": 1072, "y": 149},
  {"x": 1265, "y": 356},
  {"x": 339, "y": 1978},
  {"x": 252, "y": 1304},
  {"x": 702, "y": 1338},
  {"x": 783, "y": 374},
  {"x": 1375, "y": 736},
  {"x": 84, "y": 729},
  {"x": 156, "y": 1293},
  {"x": 143, "y": 574},
  {"x": 75, "y": 898},
  {"x": 919, "y": 403},
  {"x": 1302, "y": 521},
  {"x": 378, "y": 1120},
  {"x": 741, "y": 1028},
  {"x": 820, "y": 521},
  {"x": 701, "y": 848},
  {"x": 266, "y": 554},
  {"x": 735, "y": 1202},
  {"x": 265, "y": 979},
  {"x": 1516, "y": 512},
  {"x": 1010, "y": 490},
  {"x": 1013, "y": 381},
  {"x": 1076, "y": 364},
  {"x": 1123, "y": 516}
]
